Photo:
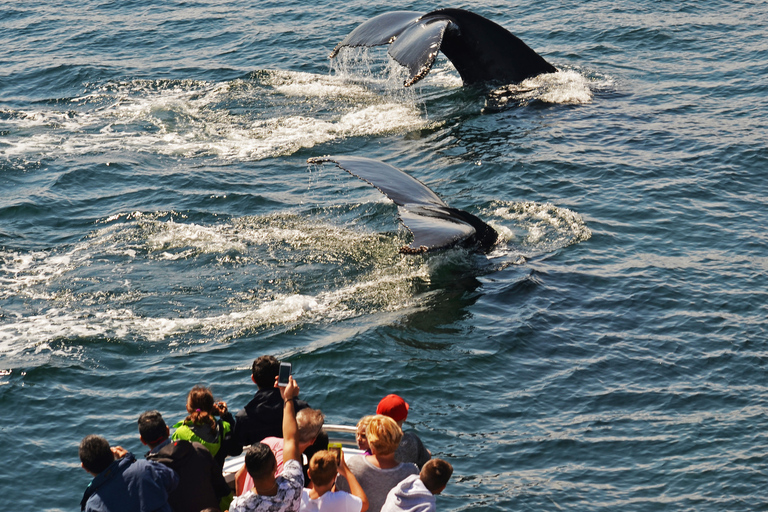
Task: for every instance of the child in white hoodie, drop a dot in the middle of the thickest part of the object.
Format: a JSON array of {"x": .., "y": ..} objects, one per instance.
[{"x": 417, "y": 492}]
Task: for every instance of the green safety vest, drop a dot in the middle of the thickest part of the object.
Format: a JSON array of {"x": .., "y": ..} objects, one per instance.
[{"x": 184, "y": 433}]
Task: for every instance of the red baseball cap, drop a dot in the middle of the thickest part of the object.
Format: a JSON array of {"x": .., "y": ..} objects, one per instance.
[{"x": 394, "y": 407}]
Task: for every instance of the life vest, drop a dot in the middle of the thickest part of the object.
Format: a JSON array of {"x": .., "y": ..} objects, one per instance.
[{"x": 185, "y": 432}]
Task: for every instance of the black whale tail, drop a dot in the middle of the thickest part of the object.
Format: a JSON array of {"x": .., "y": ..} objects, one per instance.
[
  {"x": 434, "y": 224},
  {"x": 480, "y": 50}
]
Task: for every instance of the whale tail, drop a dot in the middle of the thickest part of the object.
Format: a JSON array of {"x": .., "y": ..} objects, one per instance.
[
  {"x": 433, "y": 224},
  {"x": 480, "y": 50}
]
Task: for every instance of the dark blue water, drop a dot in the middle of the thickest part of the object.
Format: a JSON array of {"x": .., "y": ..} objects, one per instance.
[{"x": 160, "y": 228}]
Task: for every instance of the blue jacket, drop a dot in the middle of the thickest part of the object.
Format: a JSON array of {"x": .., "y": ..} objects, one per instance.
[{"x": 128, "y": 485}]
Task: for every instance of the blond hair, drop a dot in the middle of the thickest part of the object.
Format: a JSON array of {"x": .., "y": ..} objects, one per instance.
[
  {"x": 363, "y": 423},
  {"x": 384, "y": 435},
  {"x": 322, "y": 467}
]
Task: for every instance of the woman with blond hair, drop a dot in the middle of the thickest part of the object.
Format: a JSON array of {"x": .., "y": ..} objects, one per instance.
[{"x": 379, "y": 472}]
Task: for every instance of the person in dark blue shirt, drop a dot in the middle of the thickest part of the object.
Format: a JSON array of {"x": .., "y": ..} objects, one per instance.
[{"x": 121, "y": 483}]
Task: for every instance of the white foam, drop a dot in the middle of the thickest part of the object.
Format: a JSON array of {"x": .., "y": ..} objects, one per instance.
[
  {"x": 283, "y": 243},
  {"x": 184, "y": 118},
  {"x": 562, "y": 87},
  {"x": 537, "y": 228}
]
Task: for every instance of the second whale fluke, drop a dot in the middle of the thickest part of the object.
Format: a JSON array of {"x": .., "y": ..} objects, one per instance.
[{"x": 434, "y": 224}]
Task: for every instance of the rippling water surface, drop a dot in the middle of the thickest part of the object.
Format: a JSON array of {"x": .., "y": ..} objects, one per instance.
[{"x": 160, "y": 228}]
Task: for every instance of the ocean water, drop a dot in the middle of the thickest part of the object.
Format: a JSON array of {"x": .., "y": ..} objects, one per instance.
[{"x": 160, "y": 228}]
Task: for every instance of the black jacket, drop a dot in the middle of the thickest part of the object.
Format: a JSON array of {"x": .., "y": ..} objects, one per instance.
[
  {"x": 201, "y": 484},
  {"x": 262, "y": 417}
]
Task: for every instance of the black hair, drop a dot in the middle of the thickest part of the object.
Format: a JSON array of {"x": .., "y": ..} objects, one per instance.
[
  {"x": 95, "y": 454},
  {"x": 264, "y": 371},
  {"x": 152, "y": 427},
  {"x": 259, "y": 461}
]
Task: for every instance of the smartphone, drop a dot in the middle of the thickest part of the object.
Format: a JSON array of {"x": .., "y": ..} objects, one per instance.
[
  {"x": 285, "y": 372},
  {"x": 335, "y": 448}
]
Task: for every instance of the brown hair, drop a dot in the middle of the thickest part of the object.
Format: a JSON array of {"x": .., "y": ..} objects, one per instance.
[
  {"x": 435, "y": 474},
  {"x": 322, "y": 467},
  {"x": 200, "y": 407},
  {"x": 384, "y": 435}
]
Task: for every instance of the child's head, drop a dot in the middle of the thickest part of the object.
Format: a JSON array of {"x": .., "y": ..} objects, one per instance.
[
  {"x": 383, "y": 435},
  {"x": 322, "y": 468},
  {"x": 200, "y": 406},
  {"x": 362, "y": 439},
  {"x": 435, "y": 475}
]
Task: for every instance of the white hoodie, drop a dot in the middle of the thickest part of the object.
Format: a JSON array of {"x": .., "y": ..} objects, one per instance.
[{"x": 410, "y": 495}]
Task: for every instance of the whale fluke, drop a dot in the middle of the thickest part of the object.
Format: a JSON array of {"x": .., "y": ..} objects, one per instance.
[
  {"x": 433, "y": 224},
  {"x": 480, "y": 50}
]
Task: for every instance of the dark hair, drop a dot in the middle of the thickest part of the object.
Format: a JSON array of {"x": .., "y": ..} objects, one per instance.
[
  {"x": 152, "y": 427},
  {"x": 264, "y": 371},
  {"x": 321, "y": 443},
  {"x": 435, "y": 474},
  {"x": 259, "y": 461},
  {"x": 95, "y": 454},
  {"x": 200, "y": 407}
]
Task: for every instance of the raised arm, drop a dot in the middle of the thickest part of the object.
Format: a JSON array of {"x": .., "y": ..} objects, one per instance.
[
  {"x": 290, "y": 428},
  {"x": 355, "y": 489}
]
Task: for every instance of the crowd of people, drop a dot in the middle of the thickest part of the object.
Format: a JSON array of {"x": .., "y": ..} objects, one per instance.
[{"x": 182, "y": 472}]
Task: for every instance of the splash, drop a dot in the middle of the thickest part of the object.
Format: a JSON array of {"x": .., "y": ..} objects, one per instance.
[
  {"x": 566, "y": 87},
  {"x": 535, "y": 228}
]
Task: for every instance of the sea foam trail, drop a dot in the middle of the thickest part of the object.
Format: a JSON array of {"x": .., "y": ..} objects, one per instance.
[
  {"x": 239, "y": 120},
  {"x": 276, "y": 248}
]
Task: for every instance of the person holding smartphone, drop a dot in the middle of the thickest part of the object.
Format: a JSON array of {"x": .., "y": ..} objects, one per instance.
[
  {"x": 282, "y": 493},
  {"x": 263, "y": 416},
  {"x": 323, "y": 468}
]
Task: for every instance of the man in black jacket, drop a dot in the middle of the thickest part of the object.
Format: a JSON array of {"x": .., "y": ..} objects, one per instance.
[
  {"x": 263, "y": 416},
  {"x": 201, "y": 484}
]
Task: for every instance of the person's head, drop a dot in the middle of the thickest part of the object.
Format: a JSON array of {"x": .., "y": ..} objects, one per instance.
[
  {"x": 394, "y": 407},
  {"x": 152, "y": 428},
  {"x": 200, "y": 406},
  {"x": 322, "y": 468},
  {"x": 260, "y": 461},
  {"x": 309, "y": 423},
  {"x": 264, "y": 371},
  {"x": 362, "y": 439},
  {"x": 435, "y": 475},
  {"x": 95, "y": 454},
  {"x": 383, "y": 435}
]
